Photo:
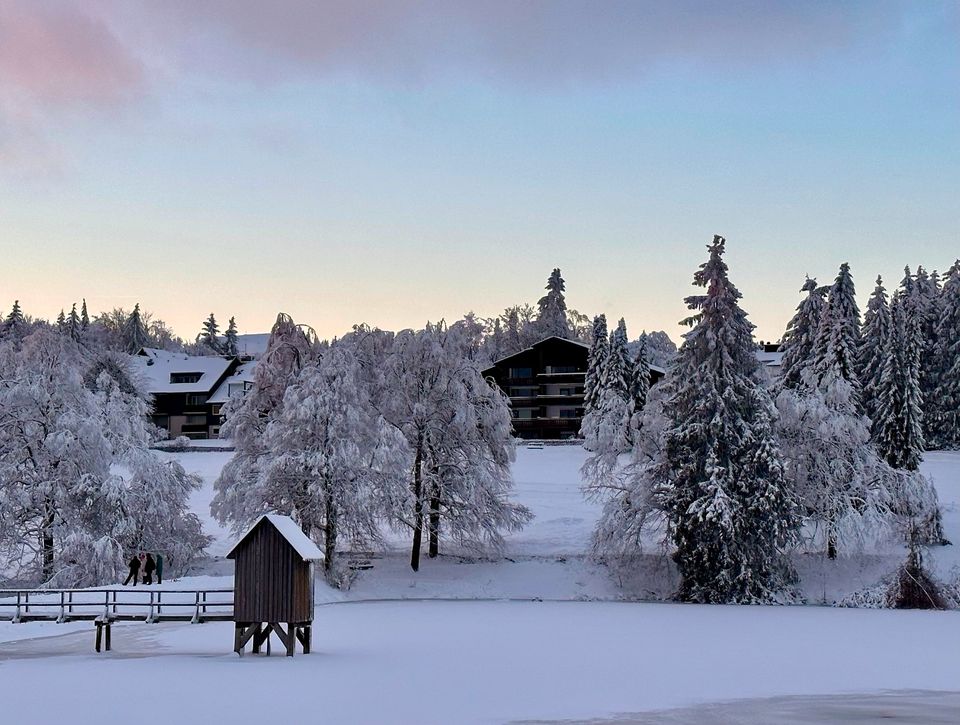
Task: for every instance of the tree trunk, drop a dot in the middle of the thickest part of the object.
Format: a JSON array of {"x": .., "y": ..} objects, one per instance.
[
  {"x": 417, "y": 507},
  {"x": 831, "y": 543},
  {"x": 434, "y": 549},
  {"x": 330, "y": 533},
  {"x": 46, "y": 543}
]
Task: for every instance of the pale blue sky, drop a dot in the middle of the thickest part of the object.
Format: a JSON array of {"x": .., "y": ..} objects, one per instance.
[{"x": 398, "y": 162}]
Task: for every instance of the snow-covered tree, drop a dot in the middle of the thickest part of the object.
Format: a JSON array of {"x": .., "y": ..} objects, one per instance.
[
  {"x": 606, "y": 427},
  {"x": 661, "y": 349},
  {"x": 230, "y": 344},
  {"x": 640, "y": 383},
  {"x": 552, "y": 309},
  {"x": 944, "y": 407},
  {"x": 74, "y": 327},
  {"x": 84, "y": 316},
  {"x": 135, "y": 334},
  {"x": 15, "y": 324},
  {"x": 799, "y": 339},
  {"x": 457, "y": 428},
  {"x": 511, "y": 334},
  {"x": 209, "y": 336},
  {"x": 62, "y": 322},
  {"x": 844, "y": 488},
  {"x": 79, "y": 486},
  {"x": 289, "y": 349},
  {"x": 729, "y": 509},
  {"x": 332, "y": 462},
  {"x": 838, "y": 339},
  {"x": 899, "y": 418},
  {"x": 596, "y": 361},
  {"x": 874, "y": 343}
]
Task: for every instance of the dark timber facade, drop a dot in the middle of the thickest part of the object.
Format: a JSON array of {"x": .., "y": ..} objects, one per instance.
[{"x": 545, "y": 387}]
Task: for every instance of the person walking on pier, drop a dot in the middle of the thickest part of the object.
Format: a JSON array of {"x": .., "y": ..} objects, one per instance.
[
  {"x": 134, "y": 574},
  {"x": 159, "y": 558},
  {"x": 148, "y": 569}
]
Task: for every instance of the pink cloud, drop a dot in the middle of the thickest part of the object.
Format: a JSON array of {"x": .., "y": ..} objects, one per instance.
[{"x": 56, "y": 58}]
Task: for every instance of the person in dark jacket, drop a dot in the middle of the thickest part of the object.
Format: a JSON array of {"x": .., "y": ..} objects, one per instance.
[
  {"x": 134, "y": 574},
  {"x": 159, "y": 558},
  {"x": 149, "y": 567}
]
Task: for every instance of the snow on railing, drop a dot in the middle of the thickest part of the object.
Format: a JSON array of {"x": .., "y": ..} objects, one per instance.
[{"x": 65, "y": 605}]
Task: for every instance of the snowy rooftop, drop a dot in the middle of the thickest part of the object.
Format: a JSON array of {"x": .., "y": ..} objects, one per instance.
[
  {"x": 770, "y": 359},
  {"x": 242, "y": 375},
  {"x": 157, "y": 366},
  {"x": 289, "y": 530},
  {"x": 253, "y": 344}
]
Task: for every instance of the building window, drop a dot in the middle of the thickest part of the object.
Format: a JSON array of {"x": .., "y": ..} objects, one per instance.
[
  {"x": 523, "y": 413},
  {"x": 568, "y": 391},
  {"x": 178, "y": 378},
  {"x": 195, "y": 419},
  {"x": 196, "y": 399},
  {"x": 568, "y": 412},
  {"x": 523, "y": 392},
  {"x": 215, "y": 409},
  {"x": 561, "y": 369},
  {"x": 214, "y": 431},
  {"x": 521, "y": 372}
]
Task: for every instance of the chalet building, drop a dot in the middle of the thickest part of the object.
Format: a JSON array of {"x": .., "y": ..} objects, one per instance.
[
  {"x": 545, "y": 387},
  {"x": 188, "y": 391},
  {"x": 770, "y": 358}
]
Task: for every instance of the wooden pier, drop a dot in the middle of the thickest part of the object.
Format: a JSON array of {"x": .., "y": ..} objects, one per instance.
[{"x": 103, "y": 607}]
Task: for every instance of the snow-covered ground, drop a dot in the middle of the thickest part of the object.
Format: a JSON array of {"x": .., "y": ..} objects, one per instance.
[
  {"x": 500, "y": 661},
  {"x": 482, "y": 662},
  {"x": 548, "y": 558}
]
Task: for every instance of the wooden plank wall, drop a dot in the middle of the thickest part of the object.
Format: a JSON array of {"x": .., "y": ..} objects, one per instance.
[{"x": 272, "y": 583}]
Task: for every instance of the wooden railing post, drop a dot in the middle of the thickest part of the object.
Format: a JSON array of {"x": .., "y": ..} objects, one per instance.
[
  {"x": 62, "y": 617},
  {"x": 16, "y": 616},
  {"x": 196, "y": 611},
  {"x": 150, "y": 615}
]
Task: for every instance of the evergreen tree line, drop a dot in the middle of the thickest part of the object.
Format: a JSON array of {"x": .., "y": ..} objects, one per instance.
[
  {"x": 122, "y": 331},
  {"x": 734, "y": 472}
]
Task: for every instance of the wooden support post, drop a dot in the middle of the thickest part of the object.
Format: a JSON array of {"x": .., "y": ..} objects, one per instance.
[
  {"x": 16, "y": 616},
  {"x": 99, "y": 635},
  {"x": 107, "y": 627},
  {"x": 303, "y": 634},
  {"x": 61, "y": 617}
]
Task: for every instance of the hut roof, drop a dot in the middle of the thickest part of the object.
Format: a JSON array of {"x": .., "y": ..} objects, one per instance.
[{"x": 289, "y": 530}]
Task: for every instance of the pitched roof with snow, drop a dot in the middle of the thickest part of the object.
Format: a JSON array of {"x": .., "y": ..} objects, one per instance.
[
  {"x": 253, "y": 344},
  {"x": 770, "y": 359},
  {"x": 538, "y": 343},
  {"x": 157, "y": 366},
  {"x": 289, "y": 530},
  {"x": 242, "y": 376}
]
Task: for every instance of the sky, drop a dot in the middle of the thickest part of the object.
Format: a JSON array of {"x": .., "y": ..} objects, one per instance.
[{"x": 393, "y": 162}]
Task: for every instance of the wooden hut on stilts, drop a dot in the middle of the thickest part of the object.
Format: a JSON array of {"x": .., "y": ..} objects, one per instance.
[{"x": 273, "y": 584}]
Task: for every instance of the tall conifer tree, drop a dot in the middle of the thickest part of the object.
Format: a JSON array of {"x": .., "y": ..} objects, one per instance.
[
  {"x": 874, "y": 344},
  {"x": 552, "y": 317},
  {"x": 800, "y": 337},
  {"x": 728, "y": 507}
]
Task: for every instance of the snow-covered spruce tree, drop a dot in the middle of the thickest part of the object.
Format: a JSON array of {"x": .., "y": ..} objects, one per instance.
[
  {"x": 62, "y": 322},
  {"x": 596, "y": 360},
  {"x": 728, "y": 506},
  {"x": 512, "y": 332},
  {"x": 639, "y": 384},
  {"x": 84, "y": 316},
  {"x": 874, "y": 343},
  {"x": 79, "y": 487},
  {"x": 899, "y": 423},
  {"x": 288, "y": 350},
  {"x": 332, "y": 462},
  {"x": 135, "y": 334},
  {"x": 209, "y": 336},
  {"x": 230, "y": 344},
  {"x": 552, "y": 309},
  {"x": 457, "y": 428},
  {"x": 945, "y": 411},
  {"x": 606, "y": 428},
  {"x": 74, "y": 327},
  {"x": 838, "y": 339},
  {"x": 16, "y": 324},
  {"x": 799, "y": 339}
]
